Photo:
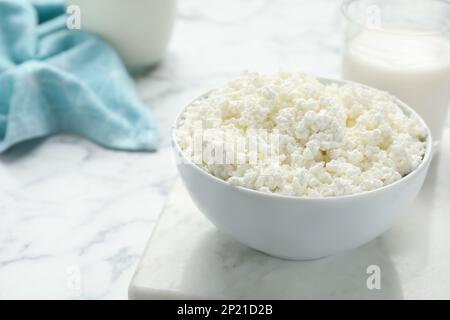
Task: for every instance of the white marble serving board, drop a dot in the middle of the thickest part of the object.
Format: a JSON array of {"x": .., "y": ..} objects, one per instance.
[{"x": 187, "y": 257}]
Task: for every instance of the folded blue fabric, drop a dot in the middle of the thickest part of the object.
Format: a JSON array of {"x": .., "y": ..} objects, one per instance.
[{"x": 55, "y": 80}]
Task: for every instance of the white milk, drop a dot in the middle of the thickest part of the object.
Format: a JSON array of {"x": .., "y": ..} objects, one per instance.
[
  {"x": 414, "y": 67},
  {"x": 140, "y": 30}
]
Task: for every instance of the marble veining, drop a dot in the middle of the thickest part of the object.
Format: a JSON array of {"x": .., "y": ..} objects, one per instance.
[{"x": 74, "y": 217}]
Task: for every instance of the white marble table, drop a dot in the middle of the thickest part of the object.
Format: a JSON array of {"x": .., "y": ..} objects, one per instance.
[
  {"x": 188, "y": 258},
  {"x": 74, "y": 218}
]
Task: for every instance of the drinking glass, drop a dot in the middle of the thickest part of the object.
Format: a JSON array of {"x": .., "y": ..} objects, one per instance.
[{"x": 403, "y": 47}]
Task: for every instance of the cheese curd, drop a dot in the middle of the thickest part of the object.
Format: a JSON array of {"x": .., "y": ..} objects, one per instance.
[{"x": 330, "y": 139}]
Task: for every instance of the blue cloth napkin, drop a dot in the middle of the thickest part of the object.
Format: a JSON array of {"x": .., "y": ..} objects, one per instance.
[{"x": 55, "y": 80}]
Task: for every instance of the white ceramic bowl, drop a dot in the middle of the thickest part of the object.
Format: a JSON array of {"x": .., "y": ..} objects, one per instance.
[{"x": 300, "y": 228}]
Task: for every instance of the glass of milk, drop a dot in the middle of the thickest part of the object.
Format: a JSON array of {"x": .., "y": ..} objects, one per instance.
[
  {"x": 139, "y": 30},
  {"x": 402, "y": 47}
]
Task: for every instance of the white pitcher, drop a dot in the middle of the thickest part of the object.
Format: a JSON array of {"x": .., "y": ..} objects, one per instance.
[{"x": 139, "y": 30}]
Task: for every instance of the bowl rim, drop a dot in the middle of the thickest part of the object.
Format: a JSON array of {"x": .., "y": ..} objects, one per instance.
[{"x": 325, "y": 80}]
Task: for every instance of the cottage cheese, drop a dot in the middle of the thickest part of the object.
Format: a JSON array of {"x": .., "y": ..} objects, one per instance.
[{"x": 332, "y": 139}]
